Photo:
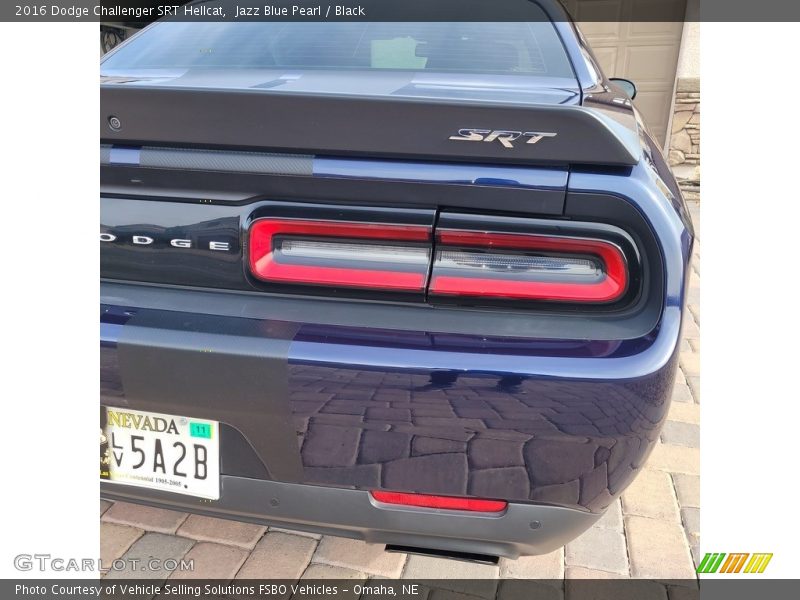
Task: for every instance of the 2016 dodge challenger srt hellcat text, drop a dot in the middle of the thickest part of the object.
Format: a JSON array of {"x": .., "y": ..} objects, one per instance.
[{"x": 416, "y": 283}]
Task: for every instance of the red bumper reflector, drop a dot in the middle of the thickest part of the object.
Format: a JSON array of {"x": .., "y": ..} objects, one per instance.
[
  {"x": 445, "y": 502},
  {"x": 523, "y": 266},
  {"x": 331, "y": 253}
]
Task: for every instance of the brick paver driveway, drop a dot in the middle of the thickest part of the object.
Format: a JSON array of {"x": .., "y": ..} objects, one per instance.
[{"x": 652, "y": 532}]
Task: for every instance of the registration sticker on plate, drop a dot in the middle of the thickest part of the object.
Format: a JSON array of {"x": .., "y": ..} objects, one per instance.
[{"x": 163, "y": 452}]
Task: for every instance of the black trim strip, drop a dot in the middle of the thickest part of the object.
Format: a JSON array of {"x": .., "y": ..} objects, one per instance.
[
  {"x": 193, "y": 360},
  {"x": 224, "y": 187}
]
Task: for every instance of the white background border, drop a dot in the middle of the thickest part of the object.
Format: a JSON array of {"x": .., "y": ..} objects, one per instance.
[{"x": 49, "y": 212}]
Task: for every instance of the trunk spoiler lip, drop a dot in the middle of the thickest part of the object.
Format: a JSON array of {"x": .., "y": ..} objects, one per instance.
[{"x": 376, "y": 127}]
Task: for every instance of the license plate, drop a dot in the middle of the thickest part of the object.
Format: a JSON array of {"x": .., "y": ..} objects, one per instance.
[{"x": 162, "y": 452}]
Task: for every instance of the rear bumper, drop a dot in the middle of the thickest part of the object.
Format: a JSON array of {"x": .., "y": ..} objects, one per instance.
[
  {"x": 322, "y": 400},
  {"x": 316, "y": 415},
  {"x": 521, "y": 530}
]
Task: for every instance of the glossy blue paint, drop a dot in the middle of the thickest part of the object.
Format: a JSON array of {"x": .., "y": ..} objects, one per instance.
[
  {"x": 476, "y": 429},
  {"x": 528, "y": 423},
  {"x": 564, "y": 422}
]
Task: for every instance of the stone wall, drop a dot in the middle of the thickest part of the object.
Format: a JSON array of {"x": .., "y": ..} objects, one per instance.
[{"x": 684, "y": 147}]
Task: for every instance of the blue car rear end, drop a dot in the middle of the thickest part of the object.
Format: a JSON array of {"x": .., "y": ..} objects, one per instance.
[{"x": 392, "y": 408}]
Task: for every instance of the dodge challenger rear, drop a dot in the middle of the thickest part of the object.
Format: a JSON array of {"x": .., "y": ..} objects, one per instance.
[{"x": 419, "y": 284}]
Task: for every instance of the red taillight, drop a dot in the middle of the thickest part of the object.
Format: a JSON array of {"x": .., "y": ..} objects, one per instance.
[
  {"x": 527, "y": 267},
  {"x": 445, "y": 502},
  {"x": 331, "y": 253},
  {"x": 475, "y": 257}
]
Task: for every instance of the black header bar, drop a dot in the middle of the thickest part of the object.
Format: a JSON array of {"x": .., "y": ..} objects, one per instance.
[{"x": 140, "y": 12}]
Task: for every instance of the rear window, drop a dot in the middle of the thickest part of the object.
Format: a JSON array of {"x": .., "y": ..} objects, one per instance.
[{"x": 508, "y": 48}]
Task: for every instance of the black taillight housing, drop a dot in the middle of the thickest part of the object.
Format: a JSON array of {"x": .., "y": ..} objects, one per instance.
[
  {"x": 470, "y": 259},
  {"x": 353, "y": 255},
  {"x": 532, "y": 260},
  {"x": 369, "y": 252}
]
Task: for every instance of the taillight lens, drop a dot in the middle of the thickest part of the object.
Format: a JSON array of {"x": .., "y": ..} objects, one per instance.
[
  {"x": 475, "y": 259},
  {"x": 331, "y": 253},
  {"x": 443, "y": 502},
  {"x": 527, "y": 267}
]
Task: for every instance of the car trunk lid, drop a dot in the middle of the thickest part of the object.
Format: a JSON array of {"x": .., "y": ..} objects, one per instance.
[{"x": 500, "y": 119}]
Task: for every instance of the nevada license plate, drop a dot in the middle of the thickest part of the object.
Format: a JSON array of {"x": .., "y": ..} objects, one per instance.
[{"x": 162, "y": 452}]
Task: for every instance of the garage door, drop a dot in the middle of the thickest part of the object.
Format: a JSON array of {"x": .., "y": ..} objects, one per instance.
[{"x": 644, "y": 52}]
